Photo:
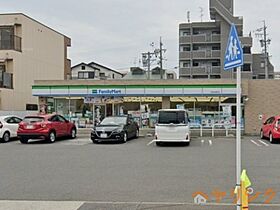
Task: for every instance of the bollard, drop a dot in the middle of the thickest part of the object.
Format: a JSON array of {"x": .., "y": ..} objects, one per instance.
[{"x": 244, "y": 196}]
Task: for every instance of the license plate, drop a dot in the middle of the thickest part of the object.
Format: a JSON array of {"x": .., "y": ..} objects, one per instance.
[
  {"x": 103, "y": 135},
  {"x": 29, "y": 126}
]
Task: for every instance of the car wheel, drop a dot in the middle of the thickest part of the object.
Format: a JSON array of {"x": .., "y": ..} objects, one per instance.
[
  {"x": 124, "y": 137},
  {"x": 262, "y": 136},
  {"x": 73, "y": 133},
  {"x": 186, "y": 143},
  {"x": 52, "y": 137},
  {"x": 271, "y": 139},
  {"x": 159, "y": 143},
  {"x": 6, "y": 137},
  {"x": 23, "y": 140},
  {"x": 94, "y": 141},
  {"x": 137, "y": 134}
]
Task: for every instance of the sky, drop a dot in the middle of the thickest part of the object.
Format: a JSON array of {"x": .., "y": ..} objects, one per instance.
[{"x": 115, "y": 33}]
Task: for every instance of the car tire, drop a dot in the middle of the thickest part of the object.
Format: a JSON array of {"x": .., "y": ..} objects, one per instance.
[
  {"x": 159, "y": 143},
  {"x": 271, "y": 139},
  {"x": 137, "y": 133},
  {"x": 186, "y": 144},
  {"x": 51, "y": 137},
  {"x": 94, "y": 141},
  {"x": 23, "y": 140},
  {"x": 6, "y": 137},
  {"x": 124, "y": 139},
  {"x": 261, "y": 134},
  {"x": 73, "y": 133}
]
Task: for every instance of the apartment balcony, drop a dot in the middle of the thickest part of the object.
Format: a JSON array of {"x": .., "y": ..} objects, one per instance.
[
  {"x": 185, "y": 55},
  {"x": 247, "y": 58},
  {"x": 200, "y": 70},
  {"x": 202, "y": 38},
  {"x": 11, "y": 43},
  {"x": 185, "y": 39},
  {"x": 206, "y": 54}
]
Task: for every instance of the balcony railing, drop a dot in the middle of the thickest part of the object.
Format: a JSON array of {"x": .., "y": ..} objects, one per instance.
[
  {"x": 11, "y": 43},
  {"x": 200, "y": 70}
]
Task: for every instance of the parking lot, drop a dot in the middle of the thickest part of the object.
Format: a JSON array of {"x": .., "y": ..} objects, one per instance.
[{"x": 137, "y": 175}]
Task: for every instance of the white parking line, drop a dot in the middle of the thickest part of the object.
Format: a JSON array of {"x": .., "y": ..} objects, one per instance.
[
  {"x": 256, "y": 143},
  {"x": 265, "y": 144},
  {"x": 202, "y": 141},
  {"x": 210, "y": 142}
]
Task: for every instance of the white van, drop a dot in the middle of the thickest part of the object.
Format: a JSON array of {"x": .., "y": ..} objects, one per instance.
[{"x": 172, "y": 126}]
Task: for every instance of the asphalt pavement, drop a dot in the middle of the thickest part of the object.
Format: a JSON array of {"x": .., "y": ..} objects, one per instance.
[{"x": 136, "y": 176}]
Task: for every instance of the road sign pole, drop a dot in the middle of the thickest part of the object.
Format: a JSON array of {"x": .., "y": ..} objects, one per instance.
[{"x": 238, "y": 135}]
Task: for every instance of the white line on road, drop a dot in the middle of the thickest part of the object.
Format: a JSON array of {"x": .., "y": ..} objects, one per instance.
[
  {"x": 210, "y": 142},
  {"x": 202, "y": 141},
  {"x": 265, "y": 144},
  {"x": 256, "y": 143}
]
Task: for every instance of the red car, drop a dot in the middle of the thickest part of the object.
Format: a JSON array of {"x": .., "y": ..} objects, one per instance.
[
  {"x": 271, "y": 129},
  {"x": 48, "y": 127}
]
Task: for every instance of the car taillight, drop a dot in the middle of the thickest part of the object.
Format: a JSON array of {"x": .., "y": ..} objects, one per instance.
[
  {"x": 43, "y": 125},
  {"x": 1, "y": 125}
]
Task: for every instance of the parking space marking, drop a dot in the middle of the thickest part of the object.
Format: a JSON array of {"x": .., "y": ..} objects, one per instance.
[
  {"x": 253, "y": 141},
  {"x": 262, "y": 142},
  {"x": 210, "y": 142}
]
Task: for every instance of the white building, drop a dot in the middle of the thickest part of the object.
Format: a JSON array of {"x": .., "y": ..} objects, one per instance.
[{"x": 93, "y": 71}]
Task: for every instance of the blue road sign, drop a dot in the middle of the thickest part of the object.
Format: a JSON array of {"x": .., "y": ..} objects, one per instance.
[{"x": 234, "y": 51}]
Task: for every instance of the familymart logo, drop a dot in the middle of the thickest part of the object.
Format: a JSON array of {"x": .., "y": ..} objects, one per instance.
[{"x": 107, "y": 91}]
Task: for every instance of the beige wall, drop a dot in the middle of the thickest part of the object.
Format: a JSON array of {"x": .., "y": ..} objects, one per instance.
[
  {"x": 263, "y": 100},
  {"x": 42, "y": 57}
]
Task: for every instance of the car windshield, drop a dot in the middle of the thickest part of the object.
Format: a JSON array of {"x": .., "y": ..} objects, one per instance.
[
  {"x": 175, "y": 117},
  {"x": 113, "y": 121},
  {"x": 33, "y": 119}
]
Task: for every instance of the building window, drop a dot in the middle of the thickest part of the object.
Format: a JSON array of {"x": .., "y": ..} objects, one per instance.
[
  {"x": 170, "y": 76},
  {"x": 102, "y": 76},
  {"x": 246, "y": 67},
  {"x": 195, "y": 63},
  {"x": 247, "y": 50},
  {"x": 91, "y": 75},
  {"x": 83, "y": 68},
  {"x": 86, "y": 75},
  {"x": 216, "y": 63},
  {"x": 216, "y": 47},
  {"x": 185, "y": 32},
  {"x": 8, "y": 41},
  {"x": 185, "y": 64},
  {"x": 31, "y": 107},
  {"x": 113, "y": 76},
  {"x": 262, "y": 64},
  {"x": 185, "y": 48}
]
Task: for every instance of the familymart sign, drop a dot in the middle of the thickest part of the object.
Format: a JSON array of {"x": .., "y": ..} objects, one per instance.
[{"x": 134, "y": 90}]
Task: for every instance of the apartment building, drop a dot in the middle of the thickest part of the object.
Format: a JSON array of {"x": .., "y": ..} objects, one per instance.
[
  {"x": 93, "y": 71},
  {"x": 202, "y": 46},
  {"x": 29, "y": 50}
]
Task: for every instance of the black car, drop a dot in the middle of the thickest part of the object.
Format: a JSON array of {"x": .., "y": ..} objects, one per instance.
[{"x": 117, "y": 128}]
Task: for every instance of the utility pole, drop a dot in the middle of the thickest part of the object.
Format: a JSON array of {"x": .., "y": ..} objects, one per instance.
[
  {"x": 265, "y": 41},
  {"x": 149, "y": 65},
  {"x": 160, "y": 58},
  {"x": 149, "y": 57}
]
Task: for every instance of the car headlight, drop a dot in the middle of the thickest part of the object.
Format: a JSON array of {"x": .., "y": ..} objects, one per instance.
[{"x": 119, "y": 130}]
